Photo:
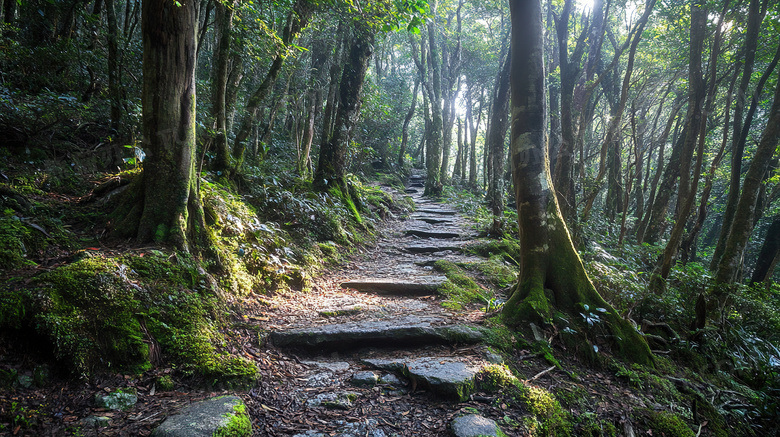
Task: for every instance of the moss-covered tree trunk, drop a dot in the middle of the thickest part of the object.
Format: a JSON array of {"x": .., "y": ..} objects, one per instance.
[
  {"x": 331, "y": 167},
  {"x": 164, "y": 205},
  {"x": 223, "y": 28},
  {"x": 433, "y": 184},
  {"x": 552, "y": 276}
]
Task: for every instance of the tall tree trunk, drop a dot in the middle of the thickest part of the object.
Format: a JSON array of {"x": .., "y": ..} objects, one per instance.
[
  {"x": 612, "y": 130},
  {"x": 297, "y": 19},
  {"x": 769, "y": 255},
  {"x": 223, "y": 28},
  {"x": 495, "y": 143},
  {"x": 749, "y": 52},
  {"x": 407, "y": 120},
  {"x": 552, "y": 276},
  {"x": 696, "y": 126},
  {"x": 433, "y": 183},
  {"x": 742, "y": 225},
  {"x": 331, "y": 167},
  {"x": 164, "y": 204},
  {"x": 457, "y": 171},
  {"x": 114, "y": 81}
]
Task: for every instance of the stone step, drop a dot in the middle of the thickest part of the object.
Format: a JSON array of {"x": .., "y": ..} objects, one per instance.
[
  {"x": 404, "y": 331},
  {"x": 397, "y": 287},
  {"x": 452, "y": 378},
  {"x": 431, "y": 234},
  {"x": 436, "y": 211},
  {"x": 410, "y": 191},
  {"x": 432, "y": 220},
  {"x": 431, "y": 248},
  {"x": 417, "y": 185}
]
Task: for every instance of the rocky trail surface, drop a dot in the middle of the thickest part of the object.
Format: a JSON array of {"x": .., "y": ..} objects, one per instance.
[{"x": 371, "y": 351}]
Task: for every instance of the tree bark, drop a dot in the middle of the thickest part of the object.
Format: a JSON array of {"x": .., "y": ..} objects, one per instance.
[
  {"x": 495, "y": 143},
  {"x": 696, "y": 126},
  {"x": 552, "y": 276},
  {"x": 770, "y": 254},
  {"x": 297, "y": 19},
  {"x": 331, "y": 167},
  {"x": 433, "y": 184},
  {"x": 165, "y": 206},
  {"x": 407, "y": 120},
  {"x": 114, "y": 81},
  {"x": 742, "y": 225},
  {"x": 749, "y": 52},
  {"x": 223, "y": 28}
]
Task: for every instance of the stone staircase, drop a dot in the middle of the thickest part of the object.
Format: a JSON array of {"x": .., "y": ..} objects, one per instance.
[{"x": 398, "y": 342}]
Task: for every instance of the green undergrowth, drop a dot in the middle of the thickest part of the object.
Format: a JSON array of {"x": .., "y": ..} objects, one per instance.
[
  {"x": 460, "y": 289},
  {"x": 132, "y": 310},
  {"x": 545, "y": 415}
]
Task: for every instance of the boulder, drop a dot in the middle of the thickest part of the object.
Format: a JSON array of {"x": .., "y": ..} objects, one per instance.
[
  {"x": 223, "y": 416},
  {"x": 474, "y": 425}
]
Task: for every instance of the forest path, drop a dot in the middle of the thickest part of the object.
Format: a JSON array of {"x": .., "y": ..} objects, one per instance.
[{"x": 370, "y": 350}]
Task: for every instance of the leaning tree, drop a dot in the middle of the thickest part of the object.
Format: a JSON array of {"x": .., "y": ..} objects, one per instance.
[{"x": 553, "y": 287}]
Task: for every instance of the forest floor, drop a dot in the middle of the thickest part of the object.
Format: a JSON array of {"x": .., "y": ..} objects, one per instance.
[{"x": 280, "y": 404}]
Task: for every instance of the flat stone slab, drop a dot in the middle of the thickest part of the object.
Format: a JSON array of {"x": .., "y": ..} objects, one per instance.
[
  {"x": 396, "y": 287},
  {"x": 432, "y": 234},
  {"x": 405, "y": 331},
  {"x": 433, "y": 221},
  {"x": 437, "y": 211},
  {"x": 474, "y": 425},
  {"x": 417, "y": 185},
  {"x": 208, "y": 418},
  {"x": 449, "y": 377},
  {"x": 431, "y": 248}
]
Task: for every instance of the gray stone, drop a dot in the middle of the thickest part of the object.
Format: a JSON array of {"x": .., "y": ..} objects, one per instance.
[
  {"x": 392, "y": 380},
  {"x": 436, "y": 211},
  {"x": 206, "y": 418},
  {"x": 406, "y": 331},
  {"x": 321, "y": 379},
  {"x": 431, "y": 248},
  {"x": 310, "y": 433},
  {"x": 365, "y": 379},
  {"x": 120, "y": 400},
  {"x": 422, "y": 233},
  {"x": 474, "y": 425},
  {"x": 494, "y": 357},
  {"x": 432, "y": 220},
  {"x": 367, "y": 428},
  {"x": 333, "y": 366},
  {"x": 448, "y": 377},
  {"x": 421, "y": 287},
  {"x": 95, "y": 421},
  {"x": 336, "y": 401},
  {"x": 24, "y": 381}
]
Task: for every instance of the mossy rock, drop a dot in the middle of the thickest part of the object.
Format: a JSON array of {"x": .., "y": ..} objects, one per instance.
[{"x": 223, "y": 416}]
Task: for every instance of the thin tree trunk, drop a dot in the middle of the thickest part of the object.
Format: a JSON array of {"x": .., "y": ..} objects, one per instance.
[
  {"x": 331, "y": 167},
  {"x": 114, "y": 81},
  {"x": 407, "y": 120},
  {"x": 297, "y": 19},
  {"x": 223, "y": 28},
  {"x": 433, "y": 183},
  {"x": 749, "y": 52},
  {"x": 769, "y": 255},
  {"x": 742, "y": 225},
  {"x": 495, "y": 144}
]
